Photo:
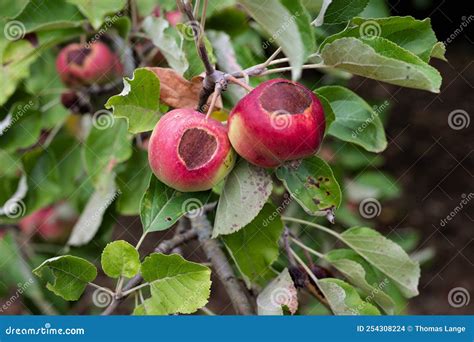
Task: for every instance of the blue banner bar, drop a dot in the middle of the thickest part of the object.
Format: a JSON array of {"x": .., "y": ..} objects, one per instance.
[{"x": 237, "y": 328}]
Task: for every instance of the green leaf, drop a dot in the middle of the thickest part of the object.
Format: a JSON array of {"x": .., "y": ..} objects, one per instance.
[
  {"x": 411, "y": 34},
  {"x": 164, "y": 38},
  {"x": 92, "y": 215},
  {"x": 344, "y": 299},
  {"x": 43, "y": 179},
  {"x": 355, "y": 121},
  {"x": 340, "y": 11},
  {"x": 108, "y": 144},
  {"x": 439, "y": 51},
  {"x": 10, "y": 162},
  {"x": 281, "y": 292},
  {"x": 176, "y": 285},
  {"x": 196, "y": 66},
  {"x": 120, "y": 258},
  {"x": 246, "y": 189},
  {"x": 16, "y": 272},
  {"x": 139, "y": 102},
  {"x": 386, "y": 256},
  {"x": 281, "y": 22},
  {"x": 95, "y": 11},
  {"x": 255, "y": 247},
  {"x": 49, "y": 14},
  {"x": 71, "y": 275},
  {"x": 21, "y": 128},
  {"x": 372, "y": 184},
  {"x": 383, "y": 60},
  {"x": 133, "y": 181},
  {"x": 361, "y": 274},
  {"x": 162, "y": 206},
  {"x": 312, "y": 184}
]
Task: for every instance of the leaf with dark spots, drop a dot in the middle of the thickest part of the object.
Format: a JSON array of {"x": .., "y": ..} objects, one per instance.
[
  {"x": 247, "y": 182},
  {"x": 312, "y": 184}
]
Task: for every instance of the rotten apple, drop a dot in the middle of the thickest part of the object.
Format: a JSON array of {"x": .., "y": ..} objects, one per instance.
[
  {"x": 88, "y": 64},
  {"x": 190, "y": 152},
  {"x": 279, "y": 120}
]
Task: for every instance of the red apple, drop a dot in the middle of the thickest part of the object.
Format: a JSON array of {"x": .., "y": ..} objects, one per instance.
[
  {"x": 88, "y": 64},
  {"x": 189, "y": 152},
  {"x": 278, "y": 121}
]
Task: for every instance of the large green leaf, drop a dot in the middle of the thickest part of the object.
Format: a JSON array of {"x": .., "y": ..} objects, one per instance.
[
  {"x": 287, "y": 25},
  {"x": 95, "y": 11},
  {"x": 176, "y": 285},
  {"x": 344, "y": 299},
  {"x": 361, "y": 274},
  {"x": 166, "y": 39},
  {"x": 386, "y": 256},
  {"x": 71, "y": 275},
  {"x": 245, "y": 191},
  {"x": 340, "y": 11},
  {"x": 355, "y": 121},
  {"x": 414, "y": 35},
  {"x": 132, "y": 181},
  {"x": 49, "y": 14},
  {"x": 120, "y": 258},
  {"x": 380, "y": 59},
  {"x": 162, "y": 206},
  {"x": 107, "y": 145},
  {"x": 255, "y": 247},
  {"x": 139, "y": 102},
  {"x": 312, "y": 184},
  {"x": 280, "y": 292}
]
